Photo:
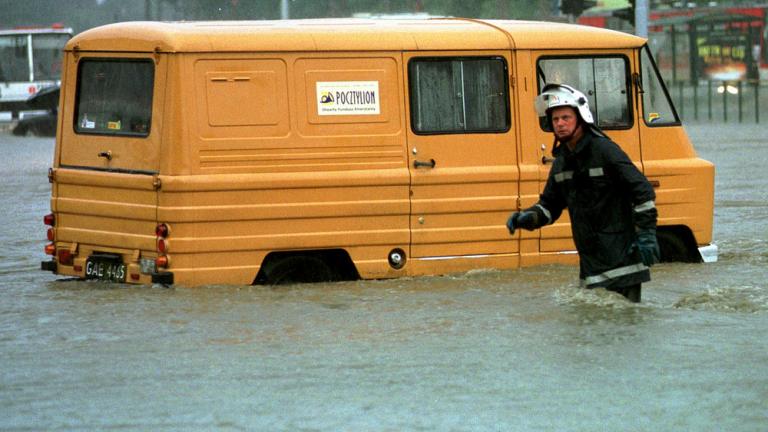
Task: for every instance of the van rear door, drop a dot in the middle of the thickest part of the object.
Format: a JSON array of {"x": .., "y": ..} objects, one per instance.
[
  {"x": 108, "y": 124},
  {"x": 105, "y": 177}
]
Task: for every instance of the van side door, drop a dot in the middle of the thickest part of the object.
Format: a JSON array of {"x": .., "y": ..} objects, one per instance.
[{"x": 463, "y": 158}]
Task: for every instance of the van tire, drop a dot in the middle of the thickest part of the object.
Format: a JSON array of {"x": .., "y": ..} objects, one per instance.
[{"x": 297, "y": 269}]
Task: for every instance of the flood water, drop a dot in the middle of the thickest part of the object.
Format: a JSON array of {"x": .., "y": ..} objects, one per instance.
[{"x": 483, "y": 351}]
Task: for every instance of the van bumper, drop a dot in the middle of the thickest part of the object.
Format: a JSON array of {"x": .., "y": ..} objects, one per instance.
[
  {"x": 708, "y": 253},
  {"x": 48, "y": 266},
  {"x": 165, "y": 278}
]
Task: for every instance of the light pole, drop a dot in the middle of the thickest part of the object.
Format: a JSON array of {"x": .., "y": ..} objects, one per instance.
[
  {"x": 284, "y": 13},
  {"x": 641, "y": 18}
]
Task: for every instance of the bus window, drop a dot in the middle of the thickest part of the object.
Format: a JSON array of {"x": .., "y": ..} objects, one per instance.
[
  {"x": 603, "y": 79},
  {"x": 459, "y": 95},
  {"x": 114, "y": 97},
  {"x": 15, "y": 65},
  {"x": 46, "y": 55},
  {"x": 657, "y": 107}
]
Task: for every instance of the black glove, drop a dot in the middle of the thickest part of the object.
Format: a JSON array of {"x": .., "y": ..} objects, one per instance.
[
  {"x": 523, "y": 219},
  {"x": 648, "y": 246}
]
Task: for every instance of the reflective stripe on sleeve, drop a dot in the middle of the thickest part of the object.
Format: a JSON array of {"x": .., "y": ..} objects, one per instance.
[
  {"x": 546, "y": 213},
  {"x": 565, "y": 175},
  {"x": 648, "y": 205}
]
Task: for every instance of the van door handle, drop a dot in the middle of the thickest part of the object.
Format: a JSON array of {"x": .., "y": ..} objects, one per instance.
[
  {"x": 547, "y": 160},
  {"x": 106, "y": 155},
  {"x": 421, "y": 164}
]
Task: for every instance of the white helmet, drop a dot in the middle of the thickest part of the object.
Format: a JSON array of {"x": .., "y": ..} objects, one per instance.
[{"x": 558, "y": 95}]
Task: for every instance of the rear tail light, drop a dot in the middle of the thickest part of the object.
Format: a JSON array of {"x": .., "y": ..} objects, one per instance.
[
  {"x": 162, "y": 230},
  {"x": 49, "y": 219},
  {"x": 50, "y": 234},
  {"x": 161, "y": 261},
  {"x": 50, "y": 249},
  {"x": 65, "y": 257},
  {"x": 162, "y": 245}
]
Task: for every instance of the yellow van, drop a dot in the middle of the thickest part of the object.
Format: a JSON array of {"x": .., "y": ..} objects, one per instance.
[{"x": 265, "y": 152}]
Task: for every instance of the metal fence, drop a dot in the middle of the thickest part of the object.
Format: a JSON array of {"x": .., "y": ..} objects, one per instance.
[{"x": 720, "y": 101}]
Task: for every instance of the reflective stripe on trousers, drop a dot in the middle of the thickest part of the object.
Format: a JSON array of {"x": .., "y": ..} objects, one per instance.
[{"x": 613, "y": 274}]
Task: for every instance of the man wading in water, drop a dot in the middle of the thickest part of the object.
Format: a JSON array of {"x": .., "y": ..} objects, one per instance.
[{"x": 611, "y": 203}]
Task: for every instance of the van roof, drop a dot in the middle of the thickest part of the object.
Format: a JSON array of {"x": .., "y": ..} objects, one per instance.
[{"x": 346, "y": 34}]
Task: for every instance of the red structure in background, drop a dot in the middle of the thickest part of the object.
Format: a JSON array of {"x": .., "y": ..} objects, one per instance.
[{"x": 705, "y": 43}]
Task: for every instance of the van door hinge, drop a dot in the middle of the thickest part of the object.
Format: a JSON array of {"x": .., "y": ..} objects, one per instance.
[
  {"x": 156, "y": 182},
  {"x": 519, "y": 203},
  {"x": 51, "y": 175},
  {"x": 638, "y": 82},
  {"x": 512, "y": 82}
]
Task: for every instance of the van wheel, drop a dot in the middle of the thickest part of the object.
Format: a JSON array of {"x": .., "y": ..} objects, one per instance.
[
  {"x": 672, "y": 248},
  {"x": 299, "y": 269}
]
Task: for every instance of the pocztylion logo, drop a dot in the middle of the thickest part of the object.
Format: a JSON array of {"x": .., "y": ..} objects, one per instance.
[{"x": 348, "y": 98}]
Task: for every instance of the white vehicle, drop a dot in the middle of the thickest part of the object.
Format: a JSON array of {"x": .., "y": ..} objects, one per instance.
[{"x": 30, "y": 60}]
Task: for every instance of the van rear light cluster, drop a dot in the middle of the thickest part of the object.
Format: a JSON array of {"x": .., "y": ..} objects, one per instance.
[
  {"x": 162, "y": 245},
  {"x": 65, "y": 256},
  {"x": 162, "y": 261},
  {"x": 162, "y": 231},
  {"x": 50, "y": 220}
]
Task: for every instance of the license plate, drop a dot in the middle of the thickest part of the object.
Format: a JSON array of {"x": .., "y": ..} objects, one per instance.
[{"x": 111, "y": 270}]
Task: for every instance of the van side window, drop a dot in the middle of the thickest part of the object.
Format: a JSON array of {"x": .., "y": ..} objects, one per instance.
[
  {"x": 605, "y": 81},
  {"x": 657, "y": 107},
  {"x": 114, "y": 97},
  {"x": 458, "y": 95}
]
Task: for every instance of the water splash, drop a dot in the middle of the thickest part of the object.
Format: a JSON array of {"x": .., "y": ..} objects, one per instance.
[
  {"x": 574, "y": 295},
  {"x": 747, "y": 299}
]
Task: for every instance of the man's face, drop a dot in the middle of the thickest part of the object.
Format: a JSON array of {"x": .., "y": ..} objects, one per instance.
[{"x": 564, "y": 122}]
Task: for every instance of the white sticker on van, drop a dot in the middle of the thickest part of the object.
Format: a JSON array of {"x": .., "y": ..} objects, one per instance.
[
  {"x": 87, "y": 124},
  {"x": 348, "y": 98}
]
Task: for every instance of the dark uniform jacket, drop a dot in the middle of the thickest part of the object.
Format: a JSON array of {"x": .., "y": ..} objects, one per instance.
[{"x": 608, "y": 199}]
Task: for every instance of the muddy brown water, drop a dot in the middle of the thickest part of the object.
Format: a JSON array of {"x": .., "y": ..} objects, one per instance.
[{"x": 487, "y": 350}]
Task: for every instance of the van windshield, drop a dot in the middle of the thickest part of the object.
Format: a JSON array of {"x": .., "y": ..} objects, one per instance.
[{"x": 114, "y": 97}]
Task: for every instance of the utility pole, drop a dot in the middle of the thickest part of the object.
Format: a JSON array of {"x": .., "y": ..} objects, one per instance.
[{"x": 641, "y": 18}]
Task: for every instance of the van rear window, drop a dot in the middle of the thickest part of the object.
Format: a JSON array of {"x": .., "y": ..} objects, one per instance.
[{"x": 114, "y": 97}]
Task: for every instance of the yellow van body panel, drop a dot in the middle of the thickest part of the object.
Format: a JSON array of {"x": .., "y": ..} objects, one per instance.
[
  {"x": 685, "y": 186},
  {"x": 248, "y": 153}
]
